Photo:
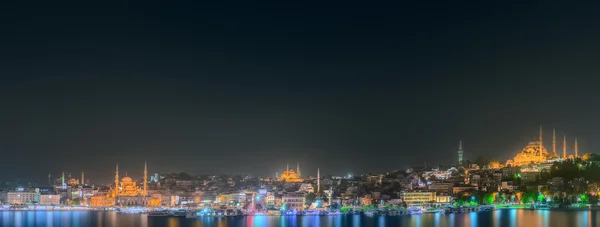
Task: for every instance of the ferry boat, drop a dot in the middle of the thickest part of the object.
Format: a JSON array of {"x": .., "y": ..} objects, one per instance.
[
  {"x": 432, "y": 210},
  {"x": 159, "y": 213},
  {"x": 311, "y": 213},
  {"x": 179, "y": 213},
  {"x": 333, "y": 213},
  {"x": 415, "y": 211},
  {"x": 486, "y": 208},
  {"x": 191, "y": 214}
]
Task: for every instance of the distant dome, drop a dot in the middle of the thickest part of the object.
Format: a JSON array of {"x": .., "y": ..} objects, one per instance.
[{"x": 126, "y": 179}]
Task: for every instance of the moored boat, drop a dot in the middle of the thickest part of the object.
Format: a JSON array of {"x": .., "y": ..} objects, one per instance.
[
  {"x": 415, "y": 211},
  {"x": 158, "y": 213}
]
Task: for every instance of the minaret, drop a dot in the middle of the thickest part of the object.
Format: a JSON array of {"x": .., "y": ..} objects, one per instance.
[
  {"x": 541, "y": 141},
  {"x": 554, "y": 141},
  {"x": 298, "y": 169},
  {"x": 63, "y": 185},
  {"x": 565, "y": 147},
  {"x": 82, "y": 178},
  {"x": 117, "y": 180},
  {"x": 49, "y": 182},
  {"x": 287, "y": 168},
  {"x": 460, "y": 152},
  {"x": 576, "y": 150},
  {"x": 318, "y": 180},
  {"x": 145, "y": 178}
]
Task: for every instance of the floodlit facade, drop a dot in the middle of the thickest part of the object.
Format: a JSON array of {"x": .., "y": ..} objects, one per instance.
[{"x": 418, "y": 197}]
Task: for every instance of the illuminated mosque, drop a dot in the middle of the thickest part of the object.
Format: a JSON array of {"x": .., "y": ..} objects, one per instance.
[
  {"x": 126, "y": 193},
  {"x": 290, "y": 176},
  {"x": 535, "y": 152}
]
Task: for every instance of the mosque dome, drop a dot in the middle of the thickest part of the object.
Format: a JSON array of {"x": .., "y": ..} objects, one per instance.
[{"x": 126, "y": 179}]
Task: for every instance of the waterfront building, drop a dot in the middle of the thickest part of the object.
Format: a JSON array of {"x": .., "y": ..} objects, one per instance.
[
  {"x": 293, "y": 201},
  {"x": 22, "y": 197},
  {"x": 413, "y": 198},
  {"x": 443, "y": 200},
  {"x": 49, "y": 199},
  {"x": 270, "y": 199}
]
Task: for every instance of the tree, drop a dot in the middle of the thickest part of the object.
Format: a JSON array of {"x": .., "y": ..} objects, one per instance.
[
  {"x": 528, "y": 197},
  {"x": 310, "y": 198},
  {"x": 590, "y": 157},
  {"x": 489, "y": 198}
]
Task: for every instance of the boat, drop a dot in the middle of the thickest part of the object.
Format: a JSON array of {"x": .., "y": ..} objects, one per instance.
[
  {"x": 333, "y": 213},
  {"x": 159, "y": 213},
  {"x": 191, "y": 214},
  {"x": 179, "y": 213},
  {"x": 311, "y": 213},
  {"x": 432, "y": 210},
  {"x": 486, "y": 208},
  {"x": 271, "y": 213},
  {"x": 415, "y": 211}
]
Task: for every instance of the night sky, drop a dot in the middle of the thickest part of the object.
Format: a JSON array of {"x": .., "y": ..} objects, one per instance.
[{"x": 242, "y": 87}]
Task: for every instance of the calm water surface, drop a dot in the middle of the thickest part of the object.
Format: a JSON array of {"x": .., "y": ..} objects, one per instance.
[{"x": 498, "y": 218}]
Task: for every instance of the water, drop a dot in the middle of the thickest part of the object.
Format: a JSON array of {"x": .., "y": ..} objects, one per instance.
[{"x": 495, "y": 218}]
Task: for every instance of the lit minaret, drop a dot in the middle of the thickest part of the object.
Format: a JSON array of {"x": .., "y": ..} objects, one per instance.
[
  {"x": 318, "y": 180},
  {"x": 49, "y": 183},
  {"x": 554, "y": 141},
  {"x": 63, "y": 185},
  {"x": 298, "y": 169},
  {"x": 287, "y": 168},
  {"x": 117, "y": 180},
  {"x": 576, "y": 150},
  {"x": 565, "y": 147},
  {"x": 541, "y": 141},
  {"x": 145, "y": 178},
  {"x": 460, "y": 152},
  {"x": 82, "y": 178}
]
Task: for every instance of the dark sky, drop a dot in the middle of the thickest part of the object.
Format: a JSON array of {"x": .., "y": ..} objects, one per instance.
[{"x": 243, "y": 87}]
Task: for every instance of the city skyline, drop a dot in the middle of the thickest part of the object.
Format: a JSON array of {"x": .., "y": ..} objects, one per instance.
[
  {"x": 569, "y": 151},
  {"x": 352, "y": 88}
]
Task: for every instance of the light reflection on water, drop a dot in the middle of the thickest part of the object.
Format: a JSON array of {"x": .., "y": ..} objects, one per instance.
[{"x": 499, "y": 218}]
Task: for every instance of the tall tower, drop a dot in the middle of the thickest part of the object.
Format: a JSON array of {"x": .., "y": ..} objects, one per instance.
[
  {"x": 554, "y": 141},
  {"x": 287, "y": 168},
  {"x": 63, "y": 185},
  {"x": 145, "y": 178},
  {"x": 576, "y": 149},
  {"x": 49, "y": 182},
  {"x": 117, "y": 180},
  {"x": 565, "y": 147},
  {"x": 318, "y": 180},
  {"x": 298, "y": 169},
  {"x": 460, "y": 152},
  {"x": 541, "y": 141},
  {"x": 82, "y": 178}
]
